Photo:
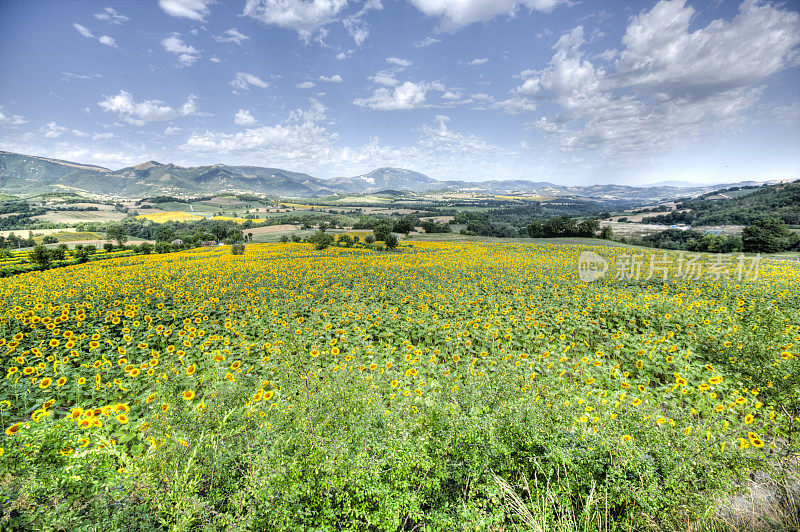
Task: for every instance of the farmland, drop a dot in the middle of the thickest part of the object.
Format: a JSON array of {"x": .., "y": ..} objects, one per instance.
[{"x": 291, "y": 388}]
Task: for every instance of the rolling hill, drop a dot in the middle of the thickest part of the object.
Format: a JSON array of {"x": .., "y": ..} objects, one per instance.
[{"x": 30, "y": 174}]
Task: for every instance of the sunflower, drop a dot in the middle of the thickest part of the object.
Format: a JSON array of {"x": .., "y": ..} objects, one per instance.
[
  {"x": 627, "y": 438},
  {"x": 45, "y": 383},
  {"x": 268, "y": 395},
  {"x": 61, "y": 382},
  {"x": 394, "y": 383},
  {"x": 13, "y": 429},
  {"x": 188, "y": 395},
  {"x": 191, "y": 369},
  {"x": 748, "y": 419},
  {"x": 122, "y": 419}
]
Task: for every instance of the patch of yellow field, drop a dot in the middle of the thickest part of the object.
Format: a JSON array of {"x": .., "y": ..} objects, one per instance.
[{"x": 169, "y": 216}]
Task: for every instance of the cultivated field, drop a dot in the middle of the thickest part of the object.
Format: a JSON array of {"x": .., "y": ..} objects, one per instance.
[{"x": 449, "y": 385}]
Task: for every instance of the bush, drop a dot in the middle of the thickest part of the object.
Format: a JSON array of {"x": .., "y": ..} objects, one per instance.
[
  {"x": 237, "y": 249},
  {"x": 391, "y": 242}
]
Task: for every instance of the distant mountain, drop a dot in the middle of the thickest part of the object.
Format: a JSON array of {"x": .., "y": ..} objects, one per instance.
[
  {"x": 30, "y": 174},
  {"x": 386, "y": 178}
]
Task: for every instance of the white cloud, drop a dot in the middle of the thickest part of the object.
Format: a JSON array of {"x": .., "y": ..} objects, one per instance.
[
  {"x": 192, "y": 9},
  {"x": 403, "y": 63},
  {"x": 660, "y": 50},
  {"x": 669, "y": 84},
  {"x": 11, "y": 120},
  {"x": 53, "y": 130},
  {"x": 427, "y": 41},
  {"x": 439, "y": 137},
  {"x": 215, "y": 59},
  {"x": 83, "y": 30},
  {"x": 231, "y": 35},
  {"x": 243, "y": 118},
  {"x": 137, "y": 113},
  {"x": 111, "y": 15},
  {"x": 172, "y": 130},
  {"x": 456, "y": 14},
  {"x": 305, "y": 17},
  {"x": 189, "y": 107},
  {"x": 108, "y": 41},
  {"x": 385, "y": 77},
  {"x": 300, "y": 134},
  {"x": 187, "y": 55},
  {"x": 243, "y": 81},
  {"x": 406, "y": 96},
  {"x": 336, "y": 78},
  {"x": 451, "y": 95},
  {"x": 70, "y": 76},
  {"x": 101, "y": 136},
  {"x": 479, "y": 61},
  {"x": 306, "y": 85}
]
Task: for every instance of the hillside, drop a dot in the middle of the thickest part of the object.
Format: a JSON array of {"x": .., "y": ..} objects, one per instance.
[
  {"x": 28, "y": 174},
  {"x": 737, "y": 206}
]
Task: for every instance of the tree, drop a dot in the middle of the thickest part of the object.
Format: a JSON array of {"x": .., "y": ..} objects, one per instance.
[
  {"x": 391, "y": 242},
  {"x": 117, "y": 232},
  {"x": 560, "y": 226},
  {"x": 606, "y": 233},
  {"x": 403, "y": 225},
  {"x": 587, "y": 228},
  {"x": 768, "y": 235},
  {"x": 145, "y": 248},
  {"x": 321, "y": 240},
  {"x": 536, "y": 230},
  {"x": 382, "y": 229},
  {"x": 284, "y": 239},
  {"x": 163, "y": 247},
  {"x": 41, "y": 256}
]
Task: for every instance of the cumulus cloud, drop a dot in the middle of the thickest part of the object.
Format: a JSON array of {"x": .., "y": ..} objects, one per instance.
[
  {"x": 103, "y": 39},
  {"x": 111, "y": 15},
  {"x": 243, "y": 118},
  {"x": 243, "y": 81},
  {"x": 140, "y": 113},
  {"x": 232, "y": 35},
  {"x": 302, "y": 133},
  {"x": 336, "y": 78},
  {"x": 305, "y": 17},
  {"x": 187, "y": 55},
  {"x": 172, "y": 130},
  {"x": 11, "y": 120},
  {"x": 53, "y": 130},
  {"x": 406, "y": 96},
  {"x": 427, "y": 41},
  {"x": 355, "y": 25},
  {"x": 456, "y": 14},
  {"x": 306, "y": 85},
  {"x": 191, "y": 9},
  {"x": 108, "y": 41},
  {"x": 103, "y": 136},
  {"x": 478, "y": 61},
  {"x": 660, "y": 50},
  {"x": 441, "y": 138},
  {"x": 403, "y": 63},
  {"x": 669, "y": 84}
]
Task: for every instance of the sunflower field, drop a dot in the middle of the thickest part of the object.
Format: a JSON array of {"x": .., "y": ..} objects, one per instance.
[{"x": 445, "y": 386}]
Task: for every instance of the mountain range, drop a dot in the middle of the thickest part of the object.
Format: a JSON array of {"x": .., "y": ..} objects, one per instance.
[{"x": 30, "y": 174}]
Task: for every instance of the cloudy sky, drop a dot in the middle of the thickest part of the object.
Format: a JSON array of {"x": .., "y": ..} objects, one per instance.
[{"x": 569, "y": 91}]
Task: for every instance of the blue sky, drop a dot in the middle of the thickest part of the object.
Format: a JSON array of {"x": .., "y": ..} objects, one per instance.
[{"x": 573, "y": 92}]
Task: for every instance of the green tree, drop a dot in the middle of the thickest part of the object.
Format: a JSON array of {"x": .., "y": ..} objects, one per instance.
[
  {"x": 117, "y": 232},
  {"x": 391, "y": 242},
  {"x": 768, "y": 235},
  {"x": 40, "y": 256},
  {"x": 588, "y": 228},
  {"x": 382, "y": 229}
]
